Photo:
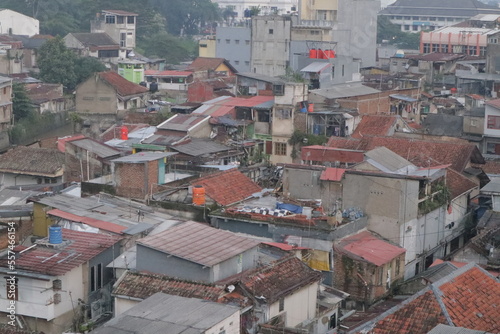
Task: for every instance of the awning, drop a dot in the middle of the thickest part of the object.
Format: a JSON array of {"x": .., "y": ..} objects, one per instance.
[
  {"x": 402, "y": 97},
  {"x": 315, "y": 67},
  {"x": 100, "y": 224}
]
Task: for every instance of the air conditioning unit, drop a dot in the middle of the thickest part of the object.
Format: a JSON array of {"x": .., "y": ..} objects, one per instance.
[{"x": 96, "y": 309}]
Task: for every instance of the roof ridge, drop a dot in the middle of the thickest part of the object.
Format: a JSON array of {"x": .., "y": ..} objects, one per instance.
[{"x": 438, "y": 293}]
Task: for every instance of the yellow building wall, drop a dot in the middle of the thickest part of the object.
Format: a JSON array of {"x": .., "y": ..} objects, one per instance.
[
  {"x": 308, "y": 8},
  {"x": 41, "y": 221},
  {"x": 207, "y": 51},
  {"x": 223, "y": 68}
]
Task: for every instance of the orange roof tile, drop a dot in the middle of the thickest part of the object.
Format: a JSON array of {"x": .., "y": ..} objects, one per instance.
[
  {"x": 375, "y": 125},
  {"x": 122, "y": 86},
  {"x": 227, "y": 187},
  {"x": 468, "y": 297},
  {"x": 422, "y": 153},
  {"x": 458, "y": 184}
]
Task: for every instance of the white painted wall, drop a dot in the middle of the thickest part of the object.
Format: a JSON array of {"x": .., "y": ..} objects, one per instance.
[
  {"x": 231, "y": 325},
  {"x": 299, "y": 306},
  {"x": 18, "y": 23},
  {"x": 122, "y": 305}
]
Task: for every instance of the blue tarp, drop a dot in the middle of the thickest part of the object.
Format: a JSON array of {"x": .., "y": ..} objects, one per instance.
[{"x": 289, "y": 207}]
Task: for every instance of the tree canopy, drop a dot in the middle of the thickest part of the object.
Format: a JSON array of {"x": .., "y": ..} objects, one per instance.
[
  {"x": 387, "y": 31},
  {"x": 22, "y": 106},
  {"x": 58, "y": 64}
]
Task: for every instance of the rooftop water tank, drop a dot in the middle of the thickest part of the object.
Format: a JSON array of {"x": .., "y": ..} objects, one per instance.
[{"x": 55, "y": 234}]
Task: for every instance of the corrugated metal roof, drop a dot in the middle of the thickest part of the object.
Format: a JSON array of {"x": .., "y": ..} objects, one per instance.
[
  {"x": 198, "y": 147},
  {"x": 390, "y": 161},
  {"x": 315, "y": 67},
  {"x": 262, "y": 77},
  {"x": 369, "y": 248},
  {"x": 345, "y": 90},
  {"x": 403, "y": 97},
  {"x": 100, "y": 224},
  {"x": 101, "y": 150},
  {"x": 162, "y": 313},
  {"x": 199, "y": 243},
  {"x": 445, "y": 329},
  {"x": 181, "y": 122},
  {"x": 144, "y": 156},
  {"x": 157, "y": 73}
]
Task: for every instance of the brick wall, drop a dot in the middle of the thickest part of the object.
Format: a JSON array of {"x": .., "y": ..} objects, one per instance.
[{"x": 136, "y": 180}]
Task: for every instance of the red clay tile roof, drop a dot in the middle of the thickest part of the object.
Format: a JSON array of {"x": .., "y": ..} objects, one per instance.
[
  {"x": 331, "y": 154},
  {"x": 143, "y": 285},
  {"x": 227, "y": 187},
  {"x": 494, "y": 103},
  {"x": 490, "y": 167},
  {"x": 32, "y": 161},
  {"x": 366, "y": 247},
  {"x": 375, "y": 125},
  {"x": 422, "y": 153},
  {"x": 122, "y": 86},
  {"x": 277, "y": 279},
  {"x": 332, "y": 174},
  {"x": 42, "y": 92},
  {"x": 206, "y": 64},
  {"x": 199, "y": 243},
  {"x": 468, "y": 297},
  {"x": 458, "y": 183},
  {"x": 83, "y": 247}
]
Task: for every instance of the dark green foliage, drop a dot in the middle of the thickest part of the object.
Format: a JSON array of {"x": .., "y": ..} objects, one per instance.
[
  {"x": 300, "y": 139},
  {"x": 166, "y": 46},
  {"x": 392, "y": 33},
  {"x": 57, "y": 63},
  {"x": 86, "y": 66},
  {"x": 21, "y": 103}
]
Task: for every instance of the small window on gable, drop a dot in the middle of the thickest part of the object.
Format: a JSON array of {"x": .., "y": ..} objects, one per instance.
[{"x": 282, "y": 304}]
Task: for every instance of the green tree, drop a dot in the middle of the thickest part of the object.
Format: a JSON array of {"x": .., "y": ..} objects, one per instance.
[
  {"x": 387, "y": 31},
  {"x": 21, "y": 103},
  {"x": 171, "y": 48},
  {"x": 86, "y": 66},
  {"x": 57, "y": 63}
]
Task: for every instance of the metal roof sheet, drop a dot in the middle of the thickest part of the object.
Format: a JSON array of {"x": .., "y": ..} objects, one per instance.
[
  {"x": 345, "y": 90},
  {"x": 369, "y": 248},
  {"x": 403, "y": 97},
  {"x": 144, "y": 156},
  {"x": 200, "y": 147},
  {"x": 163, "y": 313},
  {"x": 315, "y": 67},
  {"x": 101, "y": 150},
  {"x": 199, "y": 243},
  {"x": 100, "y": 224}
]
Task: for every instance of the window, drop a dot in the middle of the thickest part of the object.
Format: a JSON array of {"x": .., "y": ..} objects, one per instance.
[
  {"x": 107, "y": 53},
  {"x": 130, "y": 19},
  {"x": 236, "y": 62},
  {"x": 283, "y": 114},
  {"x": 280, "y": 148},
  {"x": 247, "y": 42},
  {"x": 494, "y": 122},
  {"x": 343, "y": 70},
  {"x": 96, "y": 277},
  {"x": 333, "y": 321},
  {"x": 120, "y": 19},
  {"x": 263, "y": 116},
  {"x": 444, "y": 48},
  {"x": 407, "y": 27},
  {"x": 414, "y": 28},
  {"x": 415, "y": 18},
  {"x": 398, "y": 267},
  {"x": 12, "y": 288},
  {"x": 271, "y": 31},
  {"x": 407, "y": 17},
  {"x": 441, "y": 19},
  {"x": 427, "y": 48},
  {"x": 399, "y": 17},
  {"x": 203, "y": 45},
  {"x": 236, "y": 41},
  {"x": 228, "y": 41},
  {"x": 381, "y": 276},
  {"x": 278, "y": 90},
  {"x": 281, "y": 304},
  {"x": 247, "y": 63},
  {"x": 432, "y": 19},
  {"x": 110, "y": 19}
]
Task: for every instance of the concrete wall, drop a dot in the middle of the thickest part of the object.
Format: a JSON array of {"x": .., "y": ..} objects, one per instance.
[
  {"x": 270, "y": 45},
  {"x": 474, "y": 125},
  {"x": 493, "y": 57},
  {"x": 233, "y": 44},
  {"x": 122, "y": 305},
  {"x": 15, "y": 23},
  {"x": 158, "y": 262},
  {"x": 299, "y": 306},
  {"x": 388, "y": 202},
  {"x": 95, "y": 96},
  {"x": 10, "y": 179},
  {"x": 356, "y": 32}
]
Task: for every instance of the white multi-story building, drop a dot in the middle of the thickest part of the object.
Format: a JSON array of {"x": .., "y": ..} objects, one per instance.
[
  {"x": 14, "y": 23},
  {"x": 266, "y": 7}
]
